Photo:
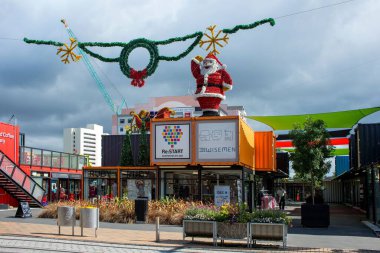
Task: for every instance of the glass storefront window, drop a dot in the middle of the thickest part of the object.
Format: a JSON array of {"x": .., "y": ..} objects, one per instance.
[
  {"x": 135, "y": 184},
  {"x": 100, "y": 184},
  {"x": 232, "y": 179},
  {"x": 181, "y": 185}
]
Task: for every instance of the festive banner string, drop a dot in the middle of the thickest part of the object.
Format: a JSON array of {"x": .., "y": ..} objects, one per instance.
[{"x": 150, "y": 45}]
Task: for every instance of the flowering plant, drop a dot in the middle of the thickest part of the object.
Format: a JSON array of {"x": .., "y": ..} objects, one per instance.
[
  {"x": 207, "y": 213},
  {"x": 232, "y": 213},
  {"x": 270, "y": 216}
]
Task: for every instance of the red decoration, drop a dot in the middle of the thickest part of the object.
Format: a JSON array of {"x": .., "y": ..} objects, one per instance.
[
  {"x": 212, "y": 81},
  {"x": 138, "y": 77}
]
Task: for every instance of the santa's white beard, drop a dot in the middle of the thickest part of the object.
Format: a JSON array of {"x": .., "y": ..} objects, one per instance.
[{"x": 210, "y": 70}]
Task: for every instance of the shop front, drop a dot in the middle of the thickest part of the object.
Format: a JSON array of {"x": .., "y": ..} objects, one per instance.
[
  {"x": 201, "y": 184},
  {"x": 124, "y": 182},
  {"x": 58, "y": 173},
  {"x": 209, "y": 159}
]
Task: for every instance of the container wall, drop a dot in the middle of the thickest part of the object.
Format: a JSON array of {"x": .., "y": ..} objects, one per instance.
[
  {"x": 5, "y": 198},
  {"x": 112, "y": 146},
  {"x": 369, "y": 147},
  {"x": 247, "y": 145},
  {"x": 265, "y": 154},
  {"x": 353, "y": 152},
  {"x": 342, "y": 164},
  {"x": 9, "y": 141},
  {"x": 282, "y": 162},
  {"x": 333, "y": 191}
]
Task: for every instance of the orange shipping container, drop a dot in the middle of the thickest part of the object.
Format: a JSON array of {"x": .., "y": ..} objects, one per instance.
[{"x": 265, "y": 151}]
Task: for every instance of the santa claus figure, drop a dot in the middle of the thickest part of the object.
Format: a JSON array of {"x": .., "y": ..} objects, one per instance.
[{"x": 212, "y": 81}]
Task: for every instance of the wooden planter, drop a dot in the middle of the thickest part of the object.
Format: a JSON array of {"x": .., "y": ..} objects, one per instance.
[
  {"x": 196, "y": 228},
  {"x": 268, "y": 232},
  {"x": 233, "y": 231}
]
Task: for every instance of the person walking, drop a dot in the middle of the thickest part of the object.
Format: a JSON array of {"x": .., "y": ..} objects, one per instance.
[{"x": 282, "y": 195}]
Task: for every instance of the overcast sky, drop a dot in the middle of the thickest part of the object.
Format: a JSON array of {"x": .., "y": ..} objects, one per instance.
[{"x": 318, "y": 61}]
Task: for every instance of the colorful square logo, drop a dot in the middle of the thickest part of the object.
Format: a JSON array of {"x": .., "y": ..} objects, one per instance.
[{"x": 172, "y": 135}]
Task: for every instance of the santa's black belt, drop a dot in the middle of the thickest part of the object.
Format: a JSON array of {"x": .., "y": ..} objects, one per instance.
[{"x": 210, "y": 85}]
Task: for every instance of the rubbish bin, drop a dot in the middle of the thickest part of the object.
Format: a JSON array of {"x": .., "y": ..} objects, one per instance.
[
  {"x": 141, "y": 208},
  {"x": 66, "y": 217},
  {"x": 89, "y": 218}
]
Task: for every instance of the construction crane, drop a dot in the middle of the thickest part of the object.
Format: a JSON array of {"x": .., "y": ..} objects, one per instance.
[{"x": 115, "y": 109}]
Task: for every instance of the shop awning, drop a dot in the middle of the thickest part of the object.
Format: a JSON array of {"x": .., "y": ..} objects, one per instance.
[{"x": 342, "y": 119}]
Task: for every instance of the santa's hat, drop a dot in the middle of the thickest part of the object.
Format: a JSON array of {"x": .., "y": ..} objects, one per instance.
[{"x": 215, "y": 59}]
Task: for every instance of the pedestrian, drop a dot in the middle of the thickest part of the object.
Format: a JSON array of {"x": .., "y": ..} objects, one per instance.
[{"x": 282, "y": 195}]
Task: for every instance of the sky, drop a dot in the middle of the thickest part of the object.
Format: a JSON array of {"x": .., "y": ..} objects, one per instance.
[{"x": 318, "y": 61}]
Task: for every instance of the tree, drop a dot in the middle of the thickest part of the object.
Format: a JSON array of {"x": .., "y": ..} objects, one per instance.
[
  {"x": 311, "y": 150},
  {"x": 143, "y": 156},
  {"x": 126, "y": 153}
]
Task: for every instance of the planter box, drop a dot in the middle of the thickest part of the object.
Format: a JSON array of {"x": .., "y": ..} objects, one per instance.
[
  {"x": 234, "y": 231},
  {"x": 196, "y": 228},
  {"x": 268, "y": 232},
  {"x": 317, "y": 215}
]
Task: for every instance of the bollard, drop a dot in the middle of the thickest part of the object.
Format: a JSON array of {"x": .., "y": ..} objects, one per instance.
[{"x": 157, "y": 229}]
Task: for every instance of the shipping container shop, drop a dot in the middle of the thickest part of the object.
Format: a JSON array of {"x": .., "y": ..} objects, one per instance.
[
  {"x": 34, "y": 175},
  {"x": 211, "y": 159}
]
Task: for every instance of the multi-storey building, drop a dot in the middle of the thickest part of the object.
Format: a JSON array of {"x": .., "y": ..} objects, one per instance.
[
  {"x": 184, "y": 106},
  {"x": 85, "y": 141}
]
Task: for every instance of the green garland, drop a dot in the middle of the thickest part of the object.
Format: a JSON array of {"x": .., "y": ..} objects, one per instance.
[
  {"x": 249, "y": 26},
  {"x": 150, "y": 45}
]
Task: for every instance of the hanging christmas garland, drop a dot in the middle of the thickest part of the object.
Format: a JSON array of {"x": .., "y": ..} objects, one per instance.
[{"x": 138, "y": 76}]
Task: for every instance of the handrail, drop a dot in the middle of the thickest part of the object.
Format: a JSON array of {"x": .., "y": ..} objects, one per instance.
[{"x": 18, "y": 169}]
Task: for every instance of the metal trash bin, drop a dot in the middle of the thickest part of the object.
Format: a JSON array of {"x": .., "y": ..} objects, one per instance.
[
  {"x": 89, "y": 218},
  {"x": 141, "y": 209},
  {"x": 66, "y": 217}
]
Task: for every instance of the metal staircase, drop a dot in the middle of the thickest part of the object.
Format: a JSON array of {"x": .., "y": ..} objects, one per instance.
[{"x": 18, "y": 184}]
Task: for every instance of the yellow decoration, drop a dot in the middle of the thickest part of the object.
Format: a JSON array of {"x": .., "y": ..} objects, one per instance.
[
  {"x": 214, "y": 40},
  {"x": 68, "y": 51}
]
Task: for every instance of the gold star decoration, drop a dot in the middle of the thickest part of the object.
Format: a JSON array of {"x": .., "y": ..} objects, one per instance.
[
  {"x": 214, "y": 40},
  {"x": 68, "y": 51}
]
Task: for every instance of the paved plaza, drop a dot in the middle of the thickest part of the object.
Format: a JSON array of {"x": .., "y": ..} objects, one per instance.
[{"x": 40, "y": 235}]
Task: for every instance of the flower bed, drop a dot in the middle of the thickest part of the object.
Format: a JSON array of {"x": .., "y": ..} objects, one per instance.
[{"x": 170, "y": 211}]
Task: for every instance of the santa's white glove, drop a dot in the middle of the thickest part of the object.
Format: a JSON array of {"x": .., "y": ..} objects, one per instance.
[{"x": 203, "y": 89}]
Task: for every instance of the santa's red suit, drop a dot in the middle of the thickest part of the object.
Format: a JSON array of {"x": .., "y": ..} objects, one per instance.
[{"x": 212, "y": 81}]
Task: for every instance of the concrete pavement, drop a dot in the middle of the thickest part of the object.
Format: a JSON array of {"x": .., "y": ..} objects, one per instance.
[{"x": 346, "y": 232}]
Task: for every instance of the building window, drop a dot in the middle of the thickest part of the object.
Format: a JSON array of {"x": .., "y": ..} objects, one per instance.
[
  {"x": 122, "y": 121},
  {"x": 121, "y": 129},
  {"x": 129, "y": 120}
]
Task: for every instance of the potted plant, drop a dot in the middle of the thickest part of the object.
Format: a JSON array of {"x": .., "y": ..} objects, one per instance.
[
  {"x": 232, "y": 222},
  {"x": 200, "y": 222},
  {"x": 309, "y": 162},
  {"x": 269, "y": 225}
]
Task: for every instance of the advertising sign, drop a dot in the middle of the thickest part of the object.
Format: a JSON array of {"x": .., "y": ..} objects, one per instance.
[
  {"x": 172, "y": 141},
  {"x": 138, "y": 188},
  {"x": 9, "y": 140},
  {"x": 222, "y": 194},
  {"x": 217, "y": 141}
]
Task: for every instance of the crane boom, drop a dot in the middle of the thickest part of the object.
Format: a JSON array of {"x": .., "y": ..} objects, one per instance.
[{"x": 95, "y": 75}]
